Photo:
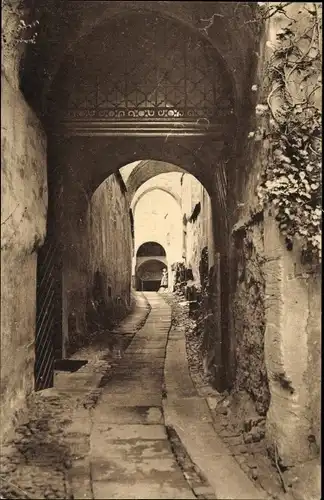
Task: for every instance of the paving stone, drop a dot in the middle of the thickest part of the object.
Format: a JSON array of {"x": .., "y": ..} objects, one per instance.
[
  {"x": 251, "y": 463},
  {"x": 269, "y": 486},
  {"x": 143, "y": 399},
  {"x": 233, "y": 441},
  {"x": 204, "y": 490},
  {"x": 121, "y": 439},
  {"x": 240, "y": 458},
  {"x": 196, "y": 406},
  {"x": 242, "y": 449},
  {"x": 125, "y": 432},
  {"x": 202, "y": 443},
  {"x": 226, "y": 433},
  {"x": 129, "y": 415},
  {"x": 140, "y": 490}
]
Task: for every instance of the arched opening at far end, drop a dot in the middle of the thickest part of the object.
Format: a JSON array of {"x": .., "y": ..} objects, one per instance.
[
  {"x": 149, "y": 275},
  {"x": 150, "y": 249}
]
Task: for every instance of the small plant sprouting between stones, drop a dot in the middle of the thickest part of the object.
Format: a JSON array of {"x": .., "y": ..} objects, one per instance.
[{"x": 291, "y": 181}]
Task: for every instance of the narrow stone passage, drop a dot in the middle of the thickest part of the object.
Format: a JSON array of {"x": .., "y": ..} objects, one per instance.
[
  {"x": 137, "y": 429},
  {"x": 130, "y": 454}
]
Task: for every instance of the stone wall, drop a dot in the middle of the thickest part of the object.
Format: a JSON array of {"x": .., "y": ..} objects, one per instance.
[
  {"x": 275, "y": 303},
  {"x": 196, "y": 210},
  {"x": 292, "y": 349},
  {"x": 201, "y": 258},
  {"x": 101, "y": 273},
  {"x": 249, "y": 314},
  {"x": 23, "y": 226},
  {"x": 292, "y": 305}
]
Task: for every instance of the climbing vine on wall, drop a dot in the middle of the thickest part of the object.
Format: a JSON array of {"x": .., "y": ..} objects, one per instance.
[
  {"x": 15, "y": 27},
  {"x": 290, "y": 124}
]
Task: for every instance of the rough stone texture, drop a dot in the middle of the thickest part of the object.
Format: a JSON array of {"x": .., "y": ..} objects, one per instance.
[
  {"x": 105, "y": 248},
  {"x": 291, "y": 318},
  {"x": 291, "y": 341},
  {"x": 207, "y": 450},
  {"x": 110, "y": 237},
  {"x": 249, "y": 317},
  {"x": 199, "y": 252},
  {"x": 24, "y": 205},
  {"x": 314, "y": 361},
  {"x": 293, "y": 314}
]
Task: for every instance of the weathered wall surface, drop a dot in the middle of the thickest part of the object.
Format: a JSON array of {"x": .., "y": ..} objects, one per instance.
[
  {"x": 101, "y": 273},
  {"x": 249, "y": 316},
  {"x": 292, "y": 349},
  {"x": 275, "y": 300},
  {"x": 196, "y": 209},
  {"x": 293, "y": 311},
  {"x": 246, "y": 357},
  {"x": 200, "y": 257},
  {"x": 23, "y": 226},
  {"x": 110, "y": 239}
]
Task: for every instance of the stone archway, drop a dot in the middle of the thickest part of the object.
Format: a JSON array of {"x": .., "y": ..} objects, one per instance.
[
  {"x": 147, "y": 169},
  {"x": 138, "y": 198},
  {"x": 150, "y": 249},
  {"x": 149, "y": 274},
  {"x": 87, "y": 161},
  {"x": 99, "y": 128}
]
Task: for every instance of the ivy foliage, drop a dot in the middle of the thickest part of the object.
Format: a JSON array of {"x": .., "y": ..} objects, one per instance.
[
  {"x": 291, "y": 180},
  {"x": 15, "y": 28}
]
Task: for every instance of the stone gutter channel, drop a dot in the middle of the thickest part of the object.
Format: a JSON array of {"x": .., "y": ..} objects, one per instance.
[
  {"x": 131, "y": 425},
  {"x": 188, "y": 413}
]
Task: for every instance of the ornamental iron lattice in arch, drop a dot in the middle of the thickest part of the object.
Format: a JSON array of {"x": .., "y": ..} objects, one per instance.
[{"x": 144, "y": 68}]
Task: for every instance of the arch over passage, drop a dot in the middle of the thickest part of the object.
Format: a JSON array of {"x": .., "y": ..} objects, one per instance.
[
  {"x": 146, "y": 170},
  {"x": 151, "y": 249},
  {"x": 138, "y": 198},
  {"x": 149, "y": 275},
  {"x": 109, "y": 111}
]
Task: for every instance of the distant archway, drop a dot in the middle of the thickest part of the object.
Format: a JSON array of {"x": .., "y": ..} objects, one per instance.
[
  {"x": 151, "y": 249},
  {"x": 136, "y": 198},
  {"x": 149, "y": 275}
]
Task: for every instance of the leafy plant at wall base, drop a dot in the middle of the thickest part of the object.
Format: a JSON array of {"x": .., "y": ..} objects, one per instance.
[{"x": 291, "y": 181}]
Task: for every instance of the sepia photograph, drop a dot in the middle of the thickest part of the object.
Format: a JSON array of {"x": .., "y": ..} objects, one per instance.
[{"x": 161, "y": 215}]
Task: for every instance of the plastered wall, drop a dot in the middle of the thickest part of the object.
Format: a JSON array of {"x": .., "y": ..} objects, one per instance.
[{"x": 23, "y": 226}]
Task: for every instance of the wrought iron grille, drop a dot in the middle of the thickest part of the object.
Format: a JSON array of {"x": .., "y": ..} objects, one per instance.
[{"x": 143, "y": 68}]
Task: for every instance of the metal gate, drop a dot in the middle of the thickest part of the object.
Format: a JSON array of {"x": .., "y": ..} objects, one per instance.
[
  {"x": 49, "y": 292},
  {"x": 151, "y": 76}
]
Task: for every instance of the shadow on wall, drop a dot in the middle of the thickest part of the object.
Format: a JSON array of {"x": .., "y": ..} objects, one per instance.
[
  {"x": 100, "y": 315},
  {"x": 204, "y": 306}
]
